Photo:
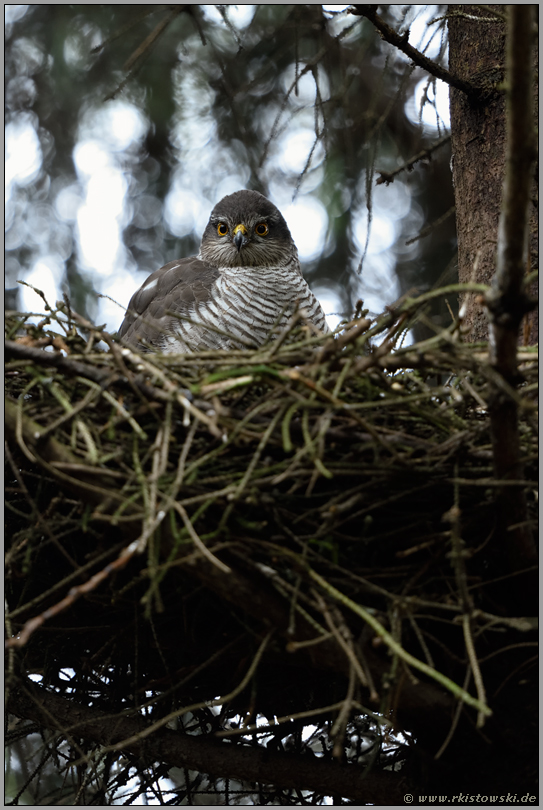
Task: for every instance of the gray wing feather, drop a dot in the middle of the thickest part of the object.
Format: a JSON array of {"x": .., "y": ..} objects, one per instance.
[{"x": 177, "y": 287}]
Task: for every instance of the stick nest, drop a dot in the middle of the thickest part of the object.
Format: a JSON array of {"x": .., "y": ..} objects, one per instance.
[{"x": 305, "y": 530}]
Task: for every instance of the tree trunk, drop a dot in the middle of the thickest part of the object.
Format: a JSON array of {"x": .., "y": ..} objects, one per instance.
[{"x": 477, "y": 54}]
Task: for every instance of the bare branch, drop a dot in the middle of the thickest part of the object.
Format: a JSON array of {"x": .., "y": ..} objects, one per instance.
[
  {"x": 507, "y": 301},
  {"x": 401, "y": 41},
  {"x": 388, "y": 177},
  {"x": 203, "y": 754},
  {"x": 429, "y": 228}
]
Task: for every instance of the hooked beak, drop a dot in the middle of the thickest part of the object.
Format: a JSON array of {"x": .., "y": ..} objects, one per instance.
[{"x": 240, "y": 236}]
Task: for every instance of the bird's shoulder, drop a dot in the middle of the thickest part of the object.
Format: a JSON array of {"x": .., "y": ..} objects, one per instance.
[{"x": 176, "y": 287}]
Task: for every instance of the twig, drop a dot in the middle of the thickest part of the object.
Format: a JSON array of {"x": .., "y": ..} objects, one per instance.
[
  {"x": 429, "y": 228},
  {"x": 401, "y": 41},
  {"x": 75, "y": 367},
  {"x": 52, "y": 454},
  {"x": 258, "y": 452},
  {"x": 198, "y": 542},
  {"x": 258, "y": 728},
  {"x": 144, "y": 47},
  {"x": 71, "y": 597},
  {"x": 344, "y": 643},
  {"x": 202, "y": 754},
  {"x": 337, "y": 732},
  {"x": 63, "y": 582},
  {"x": 466, "y": 602},
  {"x": 123, "y": 30},
  {"x": 388, "y": 177},
  {"x": 507, "y": 302},
  {"x": 496, "y": 15},
  {"x": 202, "y": 704},
  {"x": 397, "y": 649},
  {"x": 456, "y": 718},
  {"x": 40, "y": 521},
  {"x": 106, "y": 378}
]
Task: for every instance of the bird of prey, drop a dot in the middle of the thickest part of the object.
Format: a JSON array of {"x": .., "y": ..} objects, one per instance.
[{"x": 245, "y": 281}]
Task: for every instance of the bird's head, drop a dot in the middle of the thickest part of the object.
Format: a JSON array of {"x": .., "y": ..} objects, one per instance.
[{"x": 245, "y": 229}]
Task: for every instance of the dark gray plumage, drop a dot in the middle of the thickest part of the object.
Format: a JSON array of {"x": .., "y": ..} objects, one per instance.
[{"x": 245, "y": 280}]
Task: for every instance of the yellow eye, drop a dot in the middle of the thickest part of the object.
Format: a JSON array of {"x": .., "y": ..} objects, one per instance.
[
  {"x": 222, "y": 229},
  {"x": 262, "y": 229}
]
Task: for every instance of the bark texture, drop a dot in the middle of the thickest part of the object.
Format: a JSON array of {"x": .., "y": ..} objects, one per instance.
[
  {"x": 507, "y": 303},
  {"x": 477, "y": 54}
]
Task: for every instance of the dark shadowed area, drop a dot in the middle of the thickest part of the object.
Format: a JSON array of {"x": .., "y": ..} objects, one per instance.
[{"x": 275, "y": 565}]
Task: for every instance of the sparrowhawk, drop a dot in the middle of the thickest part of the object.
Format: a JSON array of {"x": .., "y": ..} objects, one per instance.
[{"x": 245, "y": 281}]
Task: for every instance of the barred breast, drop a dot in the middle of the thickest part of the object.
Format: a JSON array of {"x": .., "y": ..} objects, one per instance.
[{"x": 245, "y": 304}]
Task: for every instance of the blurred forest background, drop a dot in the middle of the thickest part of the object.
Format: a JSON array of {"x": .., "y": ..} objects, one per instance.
[{"x": 126, "y": 124}]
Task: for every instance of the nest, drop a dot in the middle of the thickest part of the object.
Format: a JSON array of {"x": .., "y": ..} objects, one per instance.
[{"x": 236, "y": 545}]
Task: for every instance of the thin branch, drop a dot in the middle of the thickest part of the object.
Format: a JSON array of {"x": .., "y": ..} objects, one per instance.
[
  {"x": 345, "y": 644},
  {"x": 107, "y": 378},
  {"x": 397, "y": 649},
  {"x": 21, "y": 352},
  {"x": 496, "y": 16},
  {"x": 144, "y": 47},
  {"x": 220, "y": 701},
  {"x": 466, "y": 602},
  {"x": 258, "y": 728},
  {"x": 62, "y": 584},
  {"x": 456, "y": 718},
  {"x": 429, "y": 228},
  {"x": 53, "y": 455},
  {"x": 401, "y": 41},
  {"x": 75, "y": 593},
  {"x": 205, "y": 755},
  {"x": 507, "y": 301},
  {"x": 388, "y": 177},
  {"x": 124, "y": 30},
  {"x": 197, "y": 540}
]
